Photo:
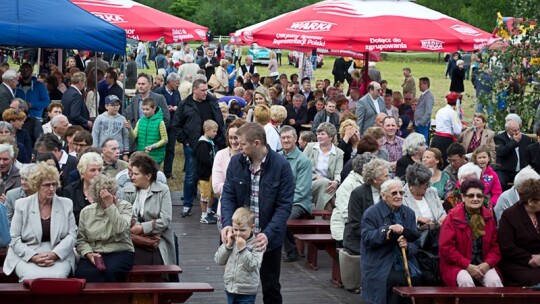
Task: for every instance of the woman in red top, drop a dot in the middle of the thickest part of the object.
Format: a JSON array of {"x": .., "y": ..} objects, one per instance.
[{"x": 468, "y": 248}]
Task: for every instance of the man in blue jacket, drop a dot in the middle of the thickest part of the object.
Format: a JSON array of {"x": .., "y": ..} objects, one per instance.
[
  {"x": 262, "y": 180},
  {"x": 32, "y": 91}
]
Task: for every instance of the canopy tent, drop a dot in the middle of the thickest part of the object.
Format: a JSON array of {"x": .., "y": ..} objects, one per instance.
[
  {"x": 365, "y": 26},
  {"x": 57, "y": 24},
  {"x": 142, "y": 22}
]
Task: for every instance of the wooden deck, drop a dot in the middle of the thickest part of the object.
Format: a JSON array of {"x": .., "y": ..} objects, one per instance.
[{"x": 198, "y": 243}]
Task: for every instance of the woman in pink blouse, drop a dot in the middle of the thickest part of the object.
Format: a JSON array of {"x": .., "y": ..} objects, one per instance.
[{"x": 222, "y": 158}]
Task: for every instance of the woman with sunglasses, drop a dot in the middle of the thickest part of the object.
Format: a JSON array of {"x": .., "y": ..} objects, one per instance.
[
  {"x": 385, "y": 229},
  {"x": 468, "y": 247}
]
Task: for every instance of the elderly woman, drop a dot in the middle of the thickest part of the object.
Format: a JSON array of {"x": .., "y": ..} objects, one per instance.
[
  {"x": 458, "y": 75},
  {"x": 277, "y": 116},
  {"x": 20, "y": 192},
  {"x": 340, "y": 214},
  {"x": 368, "y": 144},
  {"x": 326, "y": 163},
  {"x": 468, "y": 247},
  {"x": 414, "y": 147},
  {"x": 478, "y": 135},
  {"x": 348, "y": 139},
  {"x": 89, "y": 166},
  {"x": 104, "y": 233},
  {"x": 375, "y": 173},
  {"x": 43, "y": 231},
  {"x": 421, "y": 197},
  {"x": 152, "y": 212},
  {"x": 465, "y": 172},
  {"x": 385, "y": 229},
  {"x": 16, "y": 118},
  {"x": 440, "y": 180},
  {"x": 378, "y": 134},
  {"x": 511, "y": 196},
  {"x": 222, "y": 77},
  {"x": 518, "y": 238}
]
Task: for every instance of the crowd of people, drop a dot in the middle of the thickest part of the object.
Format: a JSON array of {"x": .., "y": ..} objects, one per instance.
[{"x": 261, "y": 150}]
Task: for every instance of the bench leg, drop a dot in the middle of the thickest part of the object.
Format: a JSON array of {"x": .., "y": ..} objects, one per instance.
[
  {"x": 311, "y": 259},
  {"x": 300, "y": 247},
  {"x": 336, "y": 273}
]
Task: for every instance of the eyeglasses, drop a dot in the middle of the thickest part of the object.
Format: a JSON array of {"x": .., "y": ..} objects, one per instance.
[
  {"x": 477, "y": 195},
  {"x": 49, "y": 185},
  {"x": 408, "y": 98},
  {"x": 394, "y": 193}
]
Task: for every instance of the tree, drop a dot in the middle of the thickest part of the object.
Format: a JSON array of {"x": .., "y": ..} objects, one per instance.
[{"x": 184, "y": 9}]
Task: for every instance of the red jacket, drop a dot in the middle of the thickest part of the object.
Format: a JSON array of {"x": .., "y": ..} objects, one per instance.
[{"x": 455, "y": 243}]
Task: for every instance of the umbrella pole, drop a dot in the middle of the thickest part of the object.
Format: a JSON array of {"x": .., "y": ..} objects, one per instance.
[
  {"x": 365, "y": 74},
  {"x": 406, "y": 264},
  {"x": 124, "y": 84},
  {"x": 96, "y": 86}
]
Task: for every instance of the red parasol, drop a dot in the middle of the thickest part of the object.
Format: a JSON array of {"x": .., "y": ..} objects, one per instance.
[{"x": 142, "y": 22}]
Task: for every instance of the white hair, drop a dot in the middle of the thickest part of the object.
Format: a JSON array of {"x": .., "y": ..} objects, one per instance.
[
  {"x": 468, "y": 169},
  {"x": 9, "y": 75},
  {"x": 173, "y": 77},
  {"x": 523, "y": 175},
  {"x": 27, "y": 170},
  {"x": 413, "y": 143},
  {"x": 55, "y": 121},
  {"x": 389, "y": 183},
  {"x": 188, "y": 58},
  {"x": 7, "y": 148},
  {"x": 513, "y": 117}
]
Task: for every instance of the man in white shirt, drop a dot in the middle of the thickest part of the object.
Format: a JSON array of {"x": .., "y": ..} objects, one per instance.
[
  {"x": 447, "y": 126},
  {"x": 368, "y": 107}
]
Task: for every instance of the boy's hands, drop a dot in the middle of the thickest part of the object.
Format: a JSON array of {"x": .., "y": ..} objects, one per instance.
[
  {"x": 127, "y": 124},
  {"x": 230, "y": 240},
  {"x": 240, "y": 243}
]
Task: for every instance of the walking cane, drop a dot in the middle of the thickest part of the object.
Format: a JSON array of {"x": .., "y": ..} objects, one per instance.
[{"x": 406, "y": 264}]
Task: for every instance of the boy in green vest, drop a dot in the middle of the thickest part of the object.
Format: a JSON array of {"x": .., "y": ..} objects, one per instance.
[
  {"x": 204, "y": 152},
  {"x": 150, "y": 131}
]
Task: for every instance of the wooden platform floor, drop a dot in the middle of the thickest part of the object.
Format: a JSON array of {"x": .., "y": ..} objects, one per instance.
[{"x": 198, "y": 243}]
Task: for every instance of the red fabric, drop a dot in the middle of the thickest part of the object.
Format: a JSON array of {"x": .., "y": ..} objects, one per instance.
[
  {"x": 455, "y": 243},
  {"x": 142, "y": 22},
  {"x": 355, "y": 27},
  {"x": 441, "y": 134},
  {"x": 492, "y": 185},
  {"x": 55, "y": 286}
]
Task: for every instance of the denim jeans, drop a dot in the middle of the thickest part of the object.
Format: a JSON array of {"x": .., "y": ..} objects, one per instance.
[
  {"x": 144, "y": 63},
  {"x": 424, "y": 130},
  {"x": 314, "y": 62},
  {"x": 190, "y": 180},
  {"x": 234, "y": 298}
]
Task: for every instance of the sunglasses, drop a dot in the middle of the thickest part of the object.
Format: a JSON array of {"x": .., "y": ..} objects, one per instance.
[
  {"x": 394, "y": 193},
  {"x": 472, "y": 195}
]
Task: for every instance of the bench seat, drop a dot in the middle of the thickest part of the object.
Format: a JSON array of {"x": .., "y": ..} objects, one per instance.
[
  {"x": 324, "y": 242},
  {"x": 474, "y": 295}
]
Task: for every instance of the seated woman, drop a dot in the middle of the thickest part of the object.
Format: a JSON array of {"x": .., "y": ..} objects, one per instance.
[
  {"x": 478, "y": 135},
  {"x": 468, "y": 248},
  {"x": 465, "y": 172},
  {"x": 421, "y": 197},
  {"x": 152, "y": 211},
  {"x": 277, "y": 116},
  {"x": 354, "y": 180},
  {"x": 492, "y": 186},
  {"x": 385, "y": 228},
  {"x": 104, "y": 232},
  {"x": 43, "y": 230},
  {"x": 348, "y": 139},
  {"x": 414, "y": 147},
  {"x": 326, "y": 163},
  {"x": 20, "y": 192},
  {"x": 440, "y": 180},
  {"x": 518, "y": 238}
]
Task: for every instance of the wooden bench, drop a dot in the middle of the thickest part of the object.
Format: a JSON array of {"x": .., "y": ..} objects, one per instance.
[
  {"x": 105, "y": 293},
  {"x": 304, "y": 226},
  {"x": 324, "y": 214},
  {"x": 475, "y": 295},
  {"x": 324, "y": 242},
  {"x": 139, "y": 273}
]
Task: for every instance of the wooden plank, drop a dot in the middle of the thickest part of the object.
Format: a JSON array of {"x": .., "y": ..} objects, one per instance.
[{"x": 472, "y": 295}]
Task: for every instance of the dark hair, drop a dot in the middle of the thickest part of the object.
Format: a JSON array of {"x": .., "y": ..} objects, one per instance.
[
  {"x": 240, "y": 79},
  {"x": 305, "y": 79},
  {"x": 438, "y": 155},
  {"x": 71, "y": 130},
  {"x": 106, "y": 141},
  {"x": 198, "y": 82},
  {"x": 368, "y": 143},
  {"x": 529, "y": 190},
  {"x": 481, "y": 149},
  {"x": 149, "y": 102},
  {"x": 43, "y": 157},
  {"x": 425, "y": 80},
  {"x": 113, "y": 75},
  {"x": 417, "y": 174},
  {"x": 49, "y": 142},
  {"x": 471, "y": 183},
  {"x": 145, "y": 76},
  {"x": 252, "y": 131},
  {"x": 146, "y": 164},
  {"x": 456, "y": 149},
  {"x": 83, "y": 135}
]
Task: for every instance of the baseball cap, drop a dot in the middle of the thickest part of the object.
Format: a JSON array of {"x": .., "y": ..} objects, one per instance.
[{"x": 111, "y": 99}]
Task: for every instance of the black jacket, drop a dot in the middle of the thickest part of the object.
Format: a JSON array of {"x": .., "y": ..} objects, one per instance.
[
  {"x": 75, "y": 109},
  {"x": 299, "y": 116},
  {"x": 69, "y": 166},
  {"x": 211, "y": 69},
  {"x": 532, "y": 156},
  {"x": 506, "y": 152},
  {"x": 204, "y": 153},
  {"x": 187, "y": 123},
  {"x": 75, "y": 192},
  {"x": 361, "y": 199}
]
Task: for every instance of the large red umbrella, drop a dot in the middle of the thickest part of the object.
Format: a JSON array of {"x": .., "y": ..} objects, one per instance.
[
  {"x": 142, "y": 22},
  {"x": 365, "y": 26}
]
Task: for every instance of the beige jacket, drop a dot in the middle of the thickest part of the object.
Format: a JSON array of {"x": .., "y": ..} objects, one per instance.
[
  {"x": 487, "y": 139},
  {"x": 335, "y": 163}
]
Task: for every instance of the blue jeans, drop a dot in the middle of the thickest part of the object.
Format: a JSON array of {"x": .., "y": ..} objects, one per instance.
[
  {"x": 144, "y": 63},
  {"x": 314, "y": 62},
  {"x": 424, "y": 130},
  {"x": 234, "y": 298},
  {"x": 190, "y": 180}
]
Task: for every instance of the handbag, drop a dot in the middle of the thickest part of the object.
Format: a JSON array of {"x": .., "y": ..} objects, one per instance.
[
  {"x": 213, "y": 82},
  {"x": 429, "y": 265},
  {"x": 148, "y": 242},
  {"x": 351, "y": 68},
  {"x": 429, "y": 237}
]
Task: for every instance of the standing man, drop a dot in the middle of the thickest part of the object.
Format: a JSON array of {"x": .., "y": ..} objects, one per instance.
[
  {"x": 188, "y": 122},
  {"x": 134, "y": 110},
  {"x": 260, "y": 179},
  {"x": 248, "y": 66},
  {"x": 32, "y": 91},
  {"x": 301, "y": 169},
  {"x": 7, "y": 88},
  {"x": 74, "y": 106},
  {"x": 112, "y": 89},
  {"x": 422, "y": 114},
  {"x": 391, "y": 142},
  {"x": 369, "y": 107},
  {"x": 209, "y": 63},
  {"x": 172, "y": 96},
  {"x": 408, "y": 85}
]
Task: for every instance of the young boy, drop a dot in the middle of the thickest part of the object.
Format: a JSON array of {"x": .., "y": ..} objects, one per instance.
[
  {"x": 150, "y": 131},
  {"x": 243, "y": 262},
  {"x": 204, "y": 153},
  {"x": 110, "y": 124}
]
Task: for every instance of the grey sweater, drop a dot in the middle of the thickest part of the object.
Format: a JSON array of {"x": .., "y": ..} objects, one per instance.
[{"x": 107, "y": 126}]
